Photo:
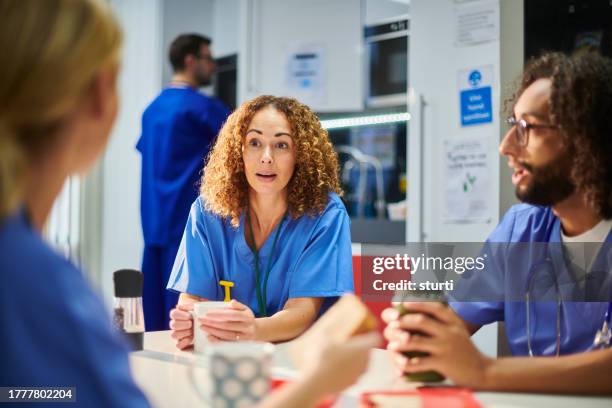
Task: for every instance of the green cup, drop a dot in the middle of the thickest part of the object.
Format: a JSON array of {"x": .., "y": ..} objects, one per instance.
[{"x": 418, "y": 296}]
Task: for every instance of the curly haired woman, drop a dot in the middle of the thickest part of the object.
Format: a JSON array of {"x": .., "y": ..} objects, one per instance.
[{"x": 270, "y": 221}]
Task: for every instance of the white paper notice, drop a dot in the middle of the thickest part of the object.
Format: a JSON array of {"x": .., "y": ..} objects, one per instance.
[
  {"x": 305, "y": 74},
  {"x": 467, "y": 190},
  {"x": 476, "y": 23}
]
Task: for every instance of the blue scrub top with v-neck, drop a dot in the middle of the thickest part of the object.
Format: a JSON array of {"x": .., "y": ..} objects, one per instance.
[
  {"x": 56, "y": 331},
  {"x": 579, "y": 321},
  {"x": 312, "y": 258}
]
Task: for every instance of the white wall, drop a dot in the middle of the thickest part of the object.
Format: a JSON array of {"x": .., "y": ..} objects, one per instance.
[
  {"x": 183, "y": 16},
  {"x": 379, "y": 10},
  {"x": 434, "y": 63},
  {"x": 139, "y": 83},
  {"x": 225, "y": 25},
  {"x": 274, "y": 30}
]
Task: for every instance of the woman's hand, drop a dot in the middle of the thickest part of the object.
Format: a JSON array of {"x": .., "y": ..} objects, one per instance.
[
  {"x": 332, "y": 367},
  {"x": 446, "y": 339},
  {"x": 181, "y": 325},
  {"x": 237, "y": 322},
  {"x": 335, "y": 366}
]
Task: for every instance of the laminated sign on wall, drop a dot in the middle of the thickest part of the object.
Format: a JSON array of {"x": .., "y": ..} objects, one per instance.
[
  {"x": 475, "y": 95},
  {"x": 305, "y": 74},
  {"x": 476, "y": 22},
  {"x": 468, "y": 186}
]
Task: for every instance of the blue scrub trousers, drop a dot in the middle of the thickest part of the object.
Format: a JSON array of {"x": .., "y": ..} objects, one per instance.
[{"x": 157, "y": 301}]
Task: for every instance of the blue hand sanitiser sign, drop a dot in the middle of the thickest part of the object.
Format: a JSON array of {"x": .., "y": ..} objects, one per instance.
[{"x": 475, "y": 96}]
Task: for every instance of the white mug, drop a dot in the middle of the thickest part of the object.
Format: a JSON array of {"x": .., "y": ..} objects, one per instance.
[
  {"x": 238, "y": 374},
  {"x": 200, "y": 340}
]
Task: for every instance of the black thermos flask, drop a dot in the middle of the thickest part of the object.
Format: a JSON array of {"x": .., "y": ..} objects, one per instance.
[{"x": 128, "y": 313}]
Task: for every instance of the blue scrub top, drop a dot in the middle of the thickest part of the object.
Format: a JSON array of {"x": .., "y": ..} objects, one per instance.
[
  {"x": 579, "y": 320},
  {"x": 312, "y": 258},
  {"x": 55, "y": 330},
  {"x": 178, "y": 129}
]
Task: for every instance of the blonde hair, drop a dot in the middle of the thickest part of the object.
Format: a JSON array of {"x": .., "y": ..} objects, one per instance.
[
  {"x": 52, "y": 50},
  {"x": 224, "y": 185}
]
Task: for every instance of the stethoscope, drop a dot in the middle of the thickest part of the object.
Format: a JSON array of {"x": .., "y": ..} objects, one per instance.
[
  {"x": 603, "y": 336},
  {"x": 530, "y": 276}
]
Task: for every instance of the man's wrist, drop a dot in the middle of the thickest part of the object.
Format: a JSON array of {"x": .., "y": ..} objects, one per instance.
[{"x": 489, "y": 374}]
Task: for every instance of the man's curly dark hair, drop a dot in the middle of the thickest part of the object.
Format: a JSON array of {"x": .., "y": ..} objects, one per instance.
[{"x": 581, "y": 105}]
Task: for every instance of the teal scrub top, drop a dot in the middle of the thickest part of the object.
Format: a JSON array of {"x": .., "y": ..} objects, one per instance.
[{"x": 312, "y": 258}]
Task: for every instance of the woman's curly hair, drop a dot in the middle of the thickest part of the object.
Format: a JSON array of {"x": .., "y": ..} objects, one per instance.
[
  {"x": 581, "y": 105},
  {"x": 224, "y": 185}
]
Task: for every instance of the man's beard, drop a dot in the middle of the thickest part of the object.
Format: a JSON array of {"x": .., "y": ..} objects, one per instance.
[
  {"x": 549, "y": 184},
  {"x": 203, "y": 80}
]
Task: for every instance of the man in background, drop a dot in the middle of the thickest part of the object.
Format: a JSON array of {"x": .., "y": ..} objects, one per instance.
[{"x": 178, "y": 129}]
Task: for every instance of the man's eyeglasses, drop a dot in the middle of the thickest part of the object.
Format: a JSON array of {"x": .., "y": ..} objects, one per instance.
[{"x": 523, "y": 127}]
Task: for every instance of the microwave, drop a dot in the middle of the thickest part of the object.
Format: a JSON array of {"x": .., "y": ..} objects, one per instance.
[{"x": 386, "y": 62}]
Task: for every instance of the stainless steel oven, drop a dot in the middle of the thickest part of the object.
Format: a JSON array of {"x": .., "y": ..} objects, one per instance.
[{"x": 386, "y": 51}]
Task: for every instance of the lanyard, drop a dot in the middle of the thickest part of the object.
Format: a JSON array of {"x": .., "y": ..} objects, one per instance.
[{"x": 261, "y": 295}]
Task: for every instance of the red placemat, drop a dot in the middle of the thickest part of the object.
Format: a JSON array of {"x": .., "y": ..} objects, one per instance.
[
  {"x": 429, "y": 397},
  {"x": 326, "y": 403}
]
